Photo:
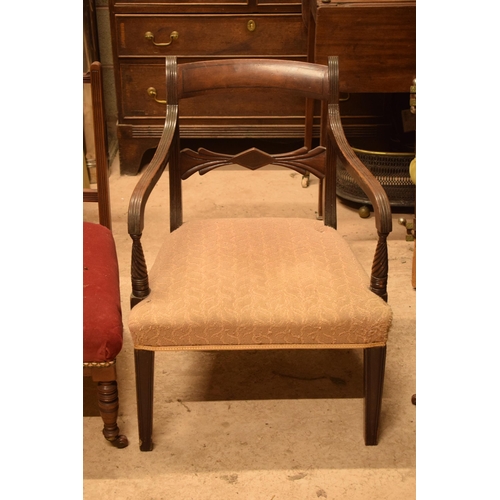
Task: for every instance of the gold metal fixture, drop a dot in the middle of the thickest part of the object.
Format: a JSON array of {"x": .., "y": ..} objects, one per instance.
[
  {"x": 251, "y": 25},
  {"x": 413, "y": 97},
  {"x": 410, "y": 228},
  {"x": 173, "y": 36},
  {"x": 152, "y": 93},
  {"x": 99, "y": 364}
]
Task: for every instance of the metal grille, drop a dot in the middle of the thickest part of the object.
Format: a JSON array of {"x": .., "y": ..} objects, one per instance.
[{"x": 392, "y": 171}]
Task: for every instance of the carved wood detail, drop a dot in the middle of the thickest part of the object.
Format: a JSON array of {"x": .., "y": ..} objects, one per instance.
[
  {"x": 140, "y": 280},
  {"x": 380, "y": 268},
  {"x": 302, "y": 160}
]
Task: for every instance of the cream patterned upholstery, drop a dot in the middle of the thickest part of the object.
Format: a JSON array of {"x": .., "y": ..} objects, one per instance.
[{"x": 270, "y": 282}]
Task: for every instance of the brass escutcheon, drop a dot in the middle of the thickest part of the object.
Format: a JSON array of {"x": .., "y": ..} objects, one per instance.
[{"x": 251, "y": 25}]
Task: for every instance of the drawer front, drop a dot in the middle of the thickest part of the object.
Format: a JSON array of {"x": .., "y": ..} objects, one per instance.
[
  {"x": 215, "y": 3},
  {"x": 211, "y": 35},
  {"x": 136, "y": 103},
  {"x": 277, "y": 2},
  {"x": 126, "y": 3}
]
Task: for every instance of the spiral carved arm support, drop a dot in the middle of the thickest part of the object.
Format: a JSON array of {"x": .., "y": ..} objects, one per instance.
[
  {"x": 380, "y": 268},
  {"x": 365, "y": 179},
  {"x": 148, "y": 180},
  {"x": 140, "y": 280}
]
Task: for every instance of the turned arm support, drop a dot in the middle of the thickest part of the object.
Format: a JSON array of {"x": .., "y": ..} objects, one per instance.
[
  {"x": 365, "y": 179},
  {"x": 375, "y": 193},
  {"x": 138, "y": 200}
]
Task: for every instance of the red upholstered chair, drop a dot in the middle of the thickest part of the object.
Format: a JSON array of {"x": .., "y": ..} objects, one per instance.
[{"x": 102, "y": 317}]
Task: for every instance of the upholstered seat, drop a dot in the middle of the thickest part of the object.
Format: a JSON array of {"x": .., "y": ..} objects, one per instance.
[
  {"x": 102, "y": 315},
  {"x": 265, "y": 282}
]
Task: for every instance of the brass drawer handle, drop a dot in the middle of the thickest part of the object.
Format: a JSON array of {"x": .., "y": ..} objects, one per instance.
[
  {"x": 173, "y": 36},
  {"x": 152, "y": 93},
  {"x": 251, "y": 25}
]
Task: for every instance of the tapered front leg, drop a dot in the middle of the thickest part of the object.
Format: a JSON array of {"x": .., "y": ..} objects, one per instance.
[
  {"x": 144, "y": 378},
  {"x": 374, "y": 369}
]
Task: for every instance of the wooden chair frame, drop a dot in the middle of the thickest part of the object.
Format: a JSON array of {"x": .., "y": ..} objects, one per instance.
[
  {"x": 313, "y": 82},
  {"x": 103, "y": 373}
]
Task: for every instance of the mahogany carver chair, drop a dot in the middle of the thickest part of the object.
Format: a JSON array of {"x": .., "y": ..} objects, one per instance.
[
  {"x": 239, "y": 283},
  {"x": 102, "y": 316}
]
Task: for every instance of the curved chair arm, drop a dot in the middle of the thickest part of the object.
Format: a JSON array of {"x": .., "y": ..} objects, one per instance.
[
  {"x": 364, "y": 178},
  {"x": 151, "y": 174},
  {"x": 137, "y": 205},
  {"x": 375, "y": 193}
]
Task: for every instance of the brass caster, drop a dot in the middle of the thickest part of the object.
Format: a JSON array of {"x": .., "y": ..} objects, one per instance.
[
  {"x": 410, "y": 230},
  {"x": 364, "y": 212},
  {"x": 305, "y": 181}
]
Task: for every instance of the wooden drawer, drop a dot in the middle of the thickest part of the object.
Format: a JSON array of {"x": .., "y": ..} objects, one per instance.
[
  {"x": 124, "y": 3},
  {"x": 211, "y": 35},
  {"x": 159, "y": 3},
  {"x": 137, "y": 103},
  {"x": 206, "y": 6}
]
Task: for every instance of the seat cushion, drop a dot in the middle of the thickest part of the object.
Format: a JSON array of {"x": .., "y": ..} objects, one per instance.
[
  {"x": 258, "y": 283},
  {"x": 102, "y": 317}
]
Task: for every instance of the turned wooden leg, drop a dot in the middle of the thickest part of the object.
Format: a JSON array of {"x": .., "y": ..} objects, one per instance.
[
  {"x": 107, "y": 398},
  {"x": 144, "y": 379},
  {"x": 374, "y": 368}
]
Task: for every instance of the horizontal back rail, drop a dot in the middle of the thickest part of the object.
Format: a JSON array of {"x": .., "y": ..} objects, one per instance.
[{"x": 307, "y": 80}]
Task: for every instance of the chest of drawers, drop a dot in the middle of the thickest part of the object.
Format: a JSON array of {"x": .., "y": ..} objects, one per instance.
[{"x": 144, "y": 32}]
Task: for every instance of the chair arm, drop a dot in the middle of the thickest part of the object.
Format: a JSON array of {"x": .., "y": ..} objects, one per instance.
[
  {"x": 138, "y": 200},
  {"x": 376, "y": 194},
  {"x": 366, "y": 180},
  {"x": 151, "y": 174}
]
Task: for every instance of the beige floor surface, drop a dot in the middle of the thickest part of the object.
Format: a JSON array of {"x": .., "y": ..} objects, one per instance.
[{"x": 263, "y": 426}]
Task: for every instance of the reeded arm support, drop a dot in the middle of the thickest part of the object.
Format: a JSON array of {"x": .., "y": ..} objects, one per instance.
[
  {"x": 366, "y": 180},
  {"x": 140, "y": 195}
]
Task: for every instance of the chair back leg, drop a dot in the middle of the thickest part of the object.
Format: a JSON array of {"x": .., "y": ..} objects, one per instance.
[
  {"x": 144, "y": 376},
  {"x": 374, "y": 368}
]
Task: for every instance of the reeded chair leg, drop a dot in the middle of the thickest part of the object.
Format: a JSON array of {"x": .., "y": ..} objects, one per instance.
[
  {"x": 107, "y": 399},
  {"x": 374, "y": 368},
  {"x": 144, "y": 379}
]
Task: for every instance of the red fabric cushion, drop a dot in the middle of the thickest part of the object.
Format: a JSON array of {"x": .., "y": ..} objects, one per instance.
[{"x": 102, "y": 316}]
